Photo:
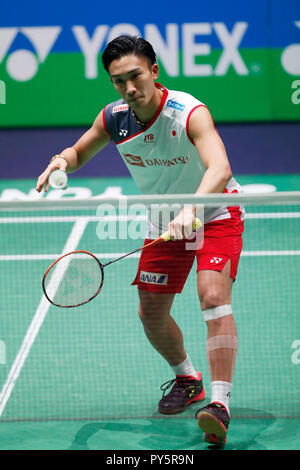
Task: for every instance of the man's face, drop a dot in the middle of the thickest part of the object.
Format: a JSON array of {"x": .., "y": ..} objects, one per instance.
[{"x": 133, "y": 78}]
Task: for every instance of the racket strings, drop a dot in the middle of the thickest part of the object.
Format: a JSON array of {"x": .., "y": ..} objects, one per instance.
[{"x": 74, "y": 279}]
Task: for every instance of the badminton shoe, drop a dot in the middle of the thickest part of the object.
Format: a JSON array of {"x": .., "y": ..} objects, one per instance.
[
  {"x": 213, "y": 419},
  {"x": 185, "y": 390}
]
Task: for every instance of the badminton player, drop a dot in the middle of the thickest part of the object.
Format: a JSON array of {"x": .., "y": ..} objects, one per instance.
[{"x": 170, "y": 145}]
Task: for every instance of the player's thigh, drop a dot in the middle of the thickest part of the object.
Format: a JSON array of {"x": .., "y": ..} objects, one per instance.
[
  {"x": 217, "y": 263},
  {"x": 164, "y": 268},
  {"x": 214, "y": 287}
]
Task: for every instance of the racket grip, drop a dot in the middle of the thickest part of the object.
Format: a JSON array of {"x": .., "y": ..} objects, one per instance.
[{"x": 196, "y": 224}]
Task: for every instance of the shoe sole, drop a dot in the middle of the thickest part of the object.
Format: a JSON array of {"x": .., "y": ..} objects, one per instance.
[
  {"x": 174, "y": 412},
  {"x": 215, "y": 432}
]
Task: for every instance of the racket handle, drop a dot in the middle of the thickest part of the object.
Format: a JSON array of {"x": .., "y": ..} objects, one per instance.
[{"x": 197, "y": 224}]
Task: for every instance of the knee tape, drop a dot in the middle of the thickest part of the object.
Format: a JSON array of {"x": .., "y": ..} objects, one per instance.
[
  {"x": 223, "y": 341},
  {"x": 217, "y": 312}
]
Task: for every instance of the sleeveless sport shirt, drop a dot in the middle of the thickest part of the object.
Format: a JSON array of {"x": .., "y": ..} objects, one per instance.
[{"x": 161, "y": 156}]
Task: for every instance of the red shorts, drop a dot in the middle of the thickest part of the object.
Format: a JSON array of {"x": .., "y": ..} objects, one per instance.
[{"x": 166, "y": 266}]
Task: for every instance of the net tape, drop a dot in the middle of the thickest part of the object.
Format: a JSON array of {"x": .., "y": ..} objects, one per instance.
[{"x": 210, "y": 200}]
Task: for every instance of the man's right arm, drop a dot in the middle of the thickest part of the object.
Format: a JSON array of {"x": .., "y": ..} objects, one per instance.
[{"x": 89, "y": 144}]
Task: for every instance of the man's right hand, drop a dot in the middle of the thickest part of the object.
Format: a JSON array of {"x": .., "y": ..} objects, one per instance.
[
  {"x": 43, "y": 180},
  {"x": 90, "y": 143}
]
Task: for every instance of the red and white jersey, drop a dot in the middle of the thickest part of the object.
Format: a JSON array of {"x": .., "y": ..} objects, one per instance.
[{"x": 161, "y": 155}]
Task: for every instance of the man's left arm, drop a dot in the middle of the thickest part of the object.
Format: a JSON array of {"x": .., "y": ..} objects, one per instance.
[
  {"x": 214, "y": 158},
  {"x": 211, "y": 151}
]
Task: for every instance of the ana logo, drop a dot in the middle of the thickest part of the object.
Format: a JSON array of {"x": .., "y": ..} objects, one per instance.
[
  {"x": 133, "y": 159},
  {"x": 120, "y": 107},
  {"x": 149, "y": 138},
  {"x": 175, "y": 105},
  {"x": 123, "y": 132},
  {"x": 154, "y": 278},
  {"x": 23, "y": 64},
  {"x": 216, "y": 260}
]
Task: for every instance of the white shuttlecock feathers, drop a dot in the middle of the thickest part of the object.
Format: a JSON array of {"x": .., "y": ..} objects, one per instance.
[{"x": 58, "y": 179}]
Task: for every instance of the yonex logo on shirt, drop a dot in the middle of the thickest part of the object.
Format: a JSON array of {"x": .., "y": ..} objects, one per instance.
[{"x": 154, "y": 278}]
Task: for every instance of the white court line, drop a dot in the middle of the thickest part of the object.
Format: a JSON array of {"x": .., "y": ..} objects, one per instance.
[
  {"x": 52, "y": 257},
  {"x": 271, "y": 253},
  {"x": 273, "y": 215},
  {"x": 71, "y": 218},
  {"x": 36, "y": 323},
  {"x": 121, "y": 218}
]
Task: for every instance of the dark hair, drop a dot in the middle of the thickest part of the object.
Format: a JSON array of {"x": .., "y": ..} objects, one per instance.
[{"x": 124, "y": 45}]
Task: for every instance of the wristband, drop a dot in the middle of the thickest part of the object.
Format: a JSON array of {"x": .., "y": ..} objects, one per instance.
[{"x": 57, "y": 156}]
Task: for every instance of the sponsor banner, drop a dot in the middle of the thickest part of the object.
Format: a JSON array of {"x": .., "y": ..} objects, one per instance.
[
  {"x": 241, "y": 59},
  {"x": 261, "y": 148}
]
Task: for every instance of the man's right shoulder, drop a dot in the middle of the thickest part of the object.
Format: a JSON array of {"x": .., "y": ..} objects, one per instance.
[
  {"x": 119, "y": 121},
  {"x": 115, "y": 115},
  {"x": 119, "y": 106}
]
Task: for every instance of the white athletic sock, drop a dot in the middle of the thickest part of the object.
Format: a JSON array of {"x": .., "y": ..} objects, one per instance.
[
  {"x": 185, "y": 368},
  {"x": 221, "y": 391}
]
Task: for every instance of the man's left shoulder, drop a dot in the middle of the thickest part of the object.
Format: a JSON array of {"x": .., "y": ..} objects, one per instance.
[{"x": 181, "y": 100}]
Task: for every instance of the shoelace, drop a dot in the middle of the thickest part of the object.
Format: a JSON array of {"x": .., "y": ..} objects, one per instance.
[{"x": 179, "y": 380}]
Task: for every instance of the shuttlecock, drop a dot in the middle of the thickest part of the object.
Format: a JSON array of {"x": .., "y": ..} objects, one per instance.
[{"x": 58, "y": 179}]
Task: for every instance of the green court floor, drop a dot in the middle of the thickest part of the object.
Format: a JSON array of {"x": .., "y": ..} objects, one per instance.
[
  {"x": 147, "y": 434},
  {"x": 88, "y": 379}
]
